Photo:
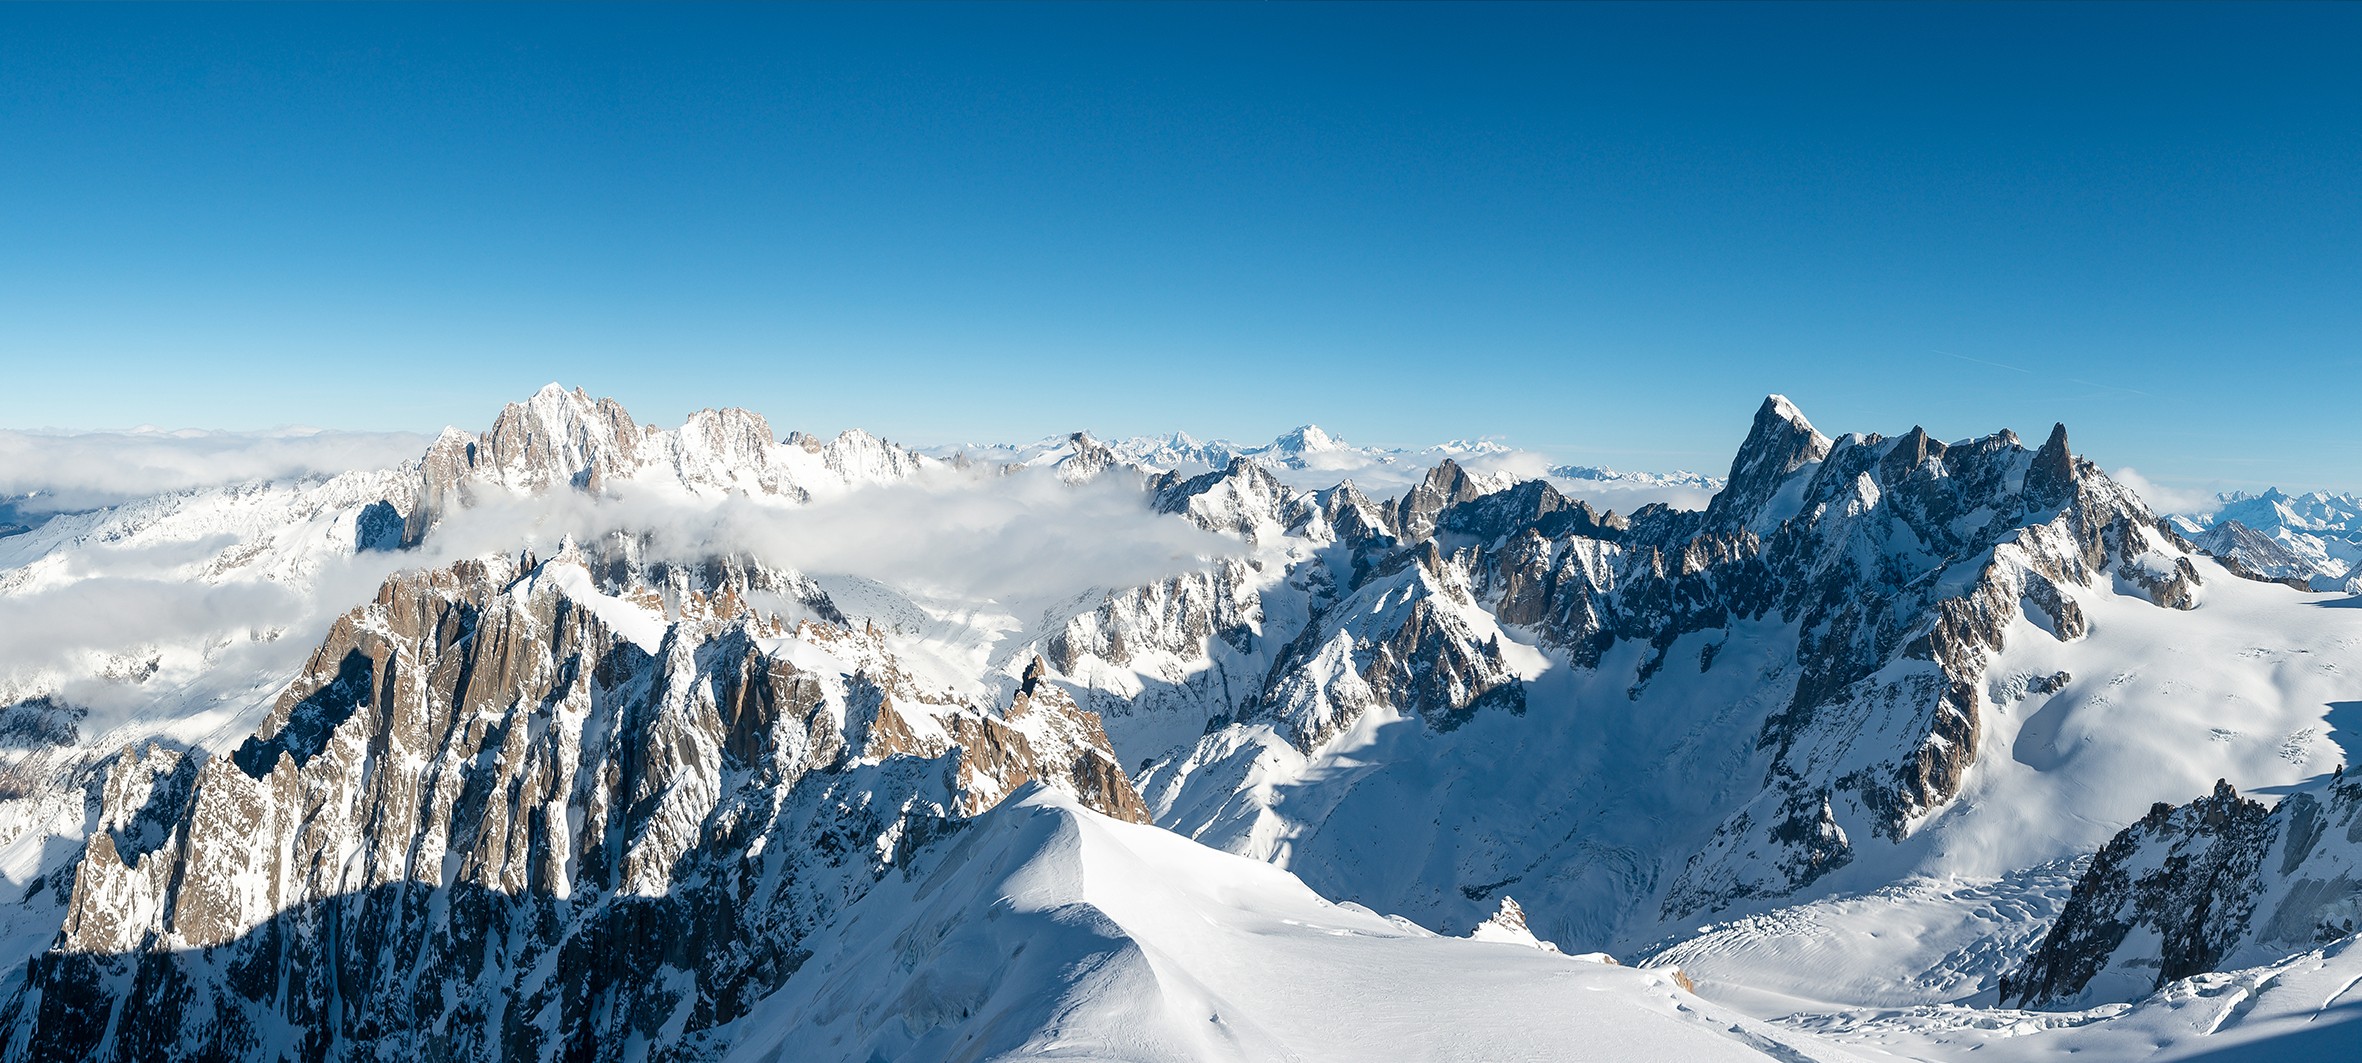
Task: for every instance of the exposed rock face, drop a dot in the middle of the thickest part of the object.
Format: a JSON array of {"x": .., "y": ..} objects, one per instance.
[
  {"x": 488, "y": 824},
  {"x": 1779, "y": 444},
  {"x": 2218, "y": 883}
]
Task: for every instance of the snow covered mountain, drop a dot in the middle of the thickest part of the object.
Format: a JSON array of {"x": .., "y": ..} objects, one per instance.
[
  {"x": 1049, "y": 931},
  {"x": 579, "y": 738},
  {"x": 487, "y": 788},
  {"x": 1837, "y": 642}
]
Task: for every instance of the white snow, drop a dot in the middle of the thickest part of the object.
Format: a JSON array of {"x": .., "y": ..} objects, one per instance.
[{"x": 1051, "y": 932}]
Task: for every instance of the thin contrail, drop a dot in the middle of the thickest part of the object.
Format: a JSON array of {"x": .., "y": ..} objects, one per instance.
[{"x": 1980, "y": 361}]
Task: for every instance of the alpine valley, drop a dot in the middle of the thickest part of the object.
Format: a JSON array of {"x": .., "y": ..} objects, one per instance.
[{"x": 583, "y": 739}]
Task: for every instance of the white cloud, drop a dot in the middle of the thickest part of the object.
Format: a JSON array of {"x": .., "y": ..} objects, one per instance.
[
  {"x": 951, "y": 535},
  {"x": 1627, "y": 497},
  {"x": 114, "y": 613},
  {"x": 1024, "y": 541},
  {"x": 84, "y": 470},
  {"x": 2165, "y": 499}
]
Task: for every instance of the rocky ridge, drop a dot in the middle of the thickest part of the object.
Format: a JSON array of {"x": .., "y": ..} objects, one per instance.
[
  {"x": 2220, "y": 883},
  {"x": 516, "y": 810}
]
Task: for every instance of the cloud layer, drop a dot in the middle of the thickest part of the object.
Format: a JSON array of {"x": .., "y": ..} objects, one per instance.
[
  {"x": 950, "y": 535},
  {"x": 69, "y": 471}
]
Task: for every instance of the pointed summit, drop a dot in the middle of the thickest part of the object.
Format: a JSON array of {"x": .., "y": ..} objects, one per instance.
[
  {"x": 1780, "y": 442},
  {"x": 2050, "y": 481},
  {"x": 1445, "y": 486},
  {"x": 1087, "y": 458}
]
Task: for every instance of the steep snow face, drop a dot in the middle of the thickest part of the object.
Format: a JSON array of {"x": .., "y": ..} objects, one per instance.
[
  {"x": 1046, "y": 931},
  {"x": 523, "y": 814}
]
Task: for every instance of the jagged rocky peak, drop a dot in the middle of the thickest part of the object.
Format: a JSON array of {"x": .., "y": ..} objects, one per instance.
[
  {"x": 2050, "y": 480},
  {"x": 526, "y": 809},
  {"x": 2219, "y": 883},
  {"x": 1780, "y": 442},
  {"x": 733, "y": 435},
  {"x": 1444, "y": 486},
  {"x": 1242, "y": 497},
  {"x": 561, "y": 439},
  {"x": 558, "y": 437},
  {"x": 857, "y": 457},
  {"x": 1086, "y": 459}
]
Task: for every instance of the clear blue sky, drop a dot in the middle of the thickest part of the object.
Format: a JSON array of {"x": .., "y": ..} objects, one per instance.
[{"x": 1604, "y": 232}]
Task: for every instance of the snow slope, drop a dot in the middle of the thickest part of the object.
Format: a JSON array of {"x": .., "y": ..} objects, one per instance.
[{"x": 1048, "y": 931}]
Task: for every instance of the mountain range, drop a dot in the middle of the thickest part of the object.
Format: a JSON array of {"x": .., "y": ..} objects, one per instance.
[{"x": 578, "y": 738}]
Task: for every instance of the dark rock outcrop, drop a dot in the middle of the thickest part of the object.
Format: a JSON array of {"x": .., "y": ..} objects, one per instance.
[{"x": 2218, "y": 883}]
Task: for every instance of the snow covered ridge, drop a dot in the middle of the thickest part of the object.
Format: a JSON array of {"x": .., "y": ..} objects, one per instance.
[{"x": 1048, "y": 931}]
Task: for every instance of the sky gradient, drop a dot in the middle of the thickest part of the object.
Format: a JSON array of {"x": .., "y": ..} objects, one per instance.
[{"x": 1601, "y": 232}]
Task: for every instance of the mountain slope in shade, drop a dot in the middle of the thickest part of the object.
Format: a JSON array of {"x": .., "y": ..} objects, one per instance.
[{"x": 1046, "y": 931}]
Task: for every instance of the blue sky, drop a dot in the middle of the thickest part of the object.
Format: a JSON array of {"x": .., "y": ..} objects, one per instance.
[{"x": 1603, "y": 232}]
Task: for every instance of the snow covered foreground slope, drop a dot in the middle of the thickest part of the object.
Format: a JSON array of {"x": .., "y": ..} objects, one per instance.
[{"x": 1048, "y": 931}]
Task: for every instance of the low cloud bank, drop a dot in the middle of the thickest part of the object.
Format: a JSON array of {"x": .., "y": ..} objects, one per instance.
[
  {"x": 1023, "y": 541},
  {"x": 68, "y": 471},
  {"x": 953, "y": 536}
]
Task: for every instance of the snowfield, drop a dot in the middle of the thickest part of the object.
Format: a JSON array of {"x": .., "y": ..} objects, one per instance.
[{"x": 1048, "y": 931}]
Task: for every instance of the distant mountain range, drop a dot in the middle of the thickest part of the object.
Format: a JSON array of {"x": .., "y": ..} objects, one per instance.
[{"x": 2314, "y": 538}]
